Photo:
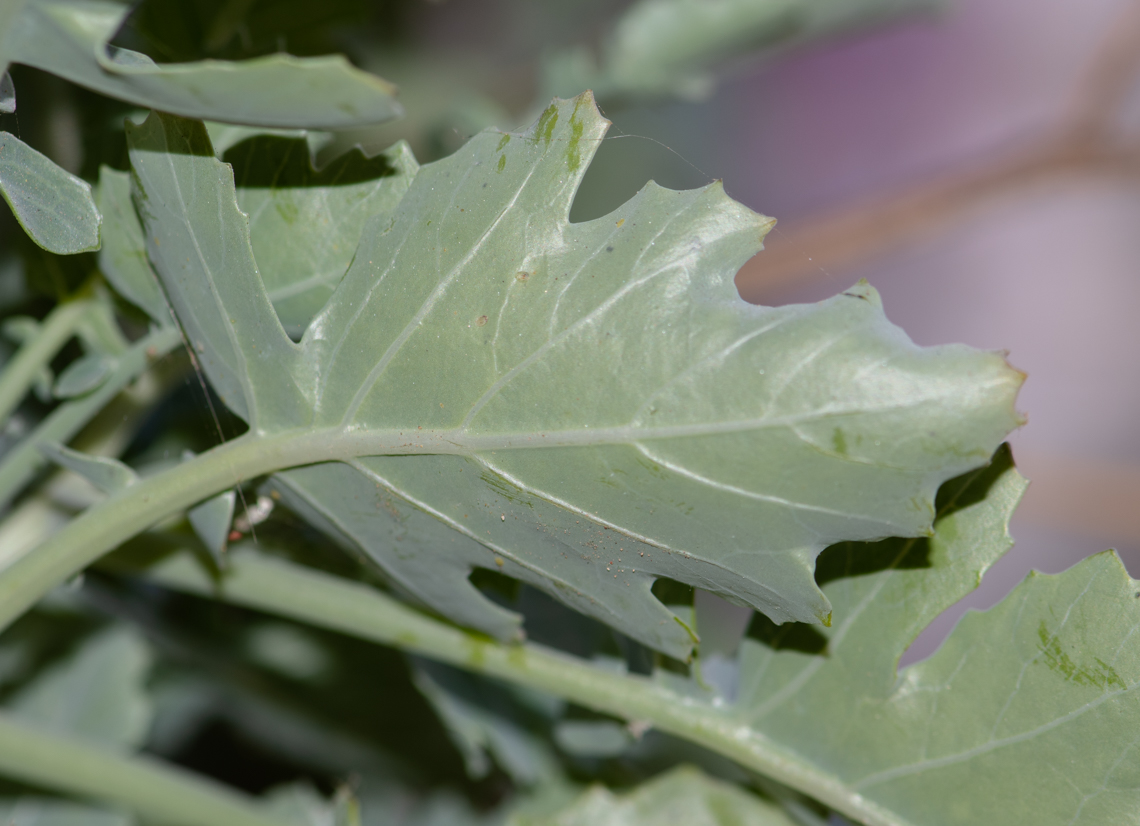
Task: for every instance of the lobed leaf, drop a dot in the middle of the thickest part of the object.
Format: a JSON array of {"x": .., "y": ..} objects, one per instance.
[
  {"x": 69, "y": 38},
  {"x": 585, "y": 407},
  {"x": 1026, "y": 706}
]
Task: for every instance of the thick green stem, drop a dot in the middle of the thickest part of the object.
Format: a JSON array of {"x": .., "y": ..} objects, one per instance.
[
  {"x": 156, "y": 791},
  {"x": 303, "y": 594},
  {"x": 107, "y": 525},
  {"x": 37, "y": 353}
]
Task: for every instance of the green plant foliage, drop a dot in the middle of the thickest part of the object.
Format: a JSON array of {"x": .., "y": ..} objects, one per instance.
[
  {"x": 482, "y": 735},
  {"x": 69, "y": 38},
  {"x": 683, "y": 795},
  {"x": 53, "y": 206},
  {"x": 519, "y": 427},
  {"x": 675, "y": 47},
  {"x": 1012, "y": 693},
  {"x": 304, "y": 223},
  {"x": 96, "y": 694},
  {"x": 482, "y": 309},
  {"x": 122, "y": 258}
]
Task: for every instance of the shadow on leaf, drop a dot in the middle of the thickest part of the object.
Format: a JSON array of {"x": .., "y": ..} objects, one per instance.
[{"x": 852, "y": 559}]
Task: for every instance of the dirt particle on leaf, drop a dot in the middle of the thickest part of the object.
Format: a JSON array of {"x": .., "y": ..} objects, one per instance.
[{"x": 480, "y": 321}]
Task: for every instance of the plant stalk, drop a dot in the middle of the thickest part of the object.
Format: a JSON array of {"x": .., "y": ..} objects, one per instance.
[
  {"x": 60, "y": 325},
  {"x": 22, "y": 462},
  {"x": 300, "y": 593},
  {"x": 142, "y": 784}
]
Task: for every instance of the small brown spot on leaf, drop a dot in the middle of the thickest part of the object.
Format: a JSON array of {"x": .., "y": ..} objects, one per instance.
[{"x": 480, "y": 321}]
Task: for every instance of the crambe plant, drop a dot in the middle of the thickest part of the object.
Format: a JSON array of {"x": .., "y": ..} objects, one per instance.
[{"x": 442, "y": 418}]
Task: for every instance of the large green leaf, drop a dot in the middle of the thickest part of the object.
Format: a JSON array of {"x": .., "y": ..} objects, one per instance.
[
  {"x": 53, "y": 206},
  {"x": 1026, "y": 715},
  {"x": 585, "y": 407},
  {"x": 69, "y": 38},
  {"x": 683, "y": 795}
]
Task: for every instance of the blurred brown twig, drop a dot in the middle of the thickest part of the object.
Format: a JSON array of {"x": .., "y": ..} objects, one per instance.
[{"x": 1088, "y": 142}]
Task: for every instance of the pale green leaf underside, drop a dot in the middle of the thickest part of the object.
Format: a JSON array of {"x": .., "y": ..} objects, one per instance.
[
  {"x": 304, "y": 233},
  {"x": 37, "y": 811},
  {"x": 1025, "y": 716},
  {"x": 69, "y": 38},
  {"x": 97, "y": 693},
  {"x": 53, "y": 206},
  {"x": 480, "y": 735},
  {"x": 108, "y": 475},
  {"x": 122, "y": 258},
  {"x": 83, "y": 375},
  {"x": 212, "y": 521},
  {"x": 681, "y": 796},
  {"x": 593, "y": 404}
]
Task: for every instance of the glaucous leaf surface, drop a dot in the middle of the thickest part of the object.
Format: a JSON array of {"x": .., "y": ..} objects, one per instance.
[
  {"x": 211, "y": 521},
  {"x": 97, "y": 693},
  {"x": 585, "y": 407},
  {"x": 69, "y": 38},
  {"x": 122, "y": 258},
  {"x": 83, "y": 375},
  {"x": 106, "y": 474},
  {"x": 305, "y": 223},
  {"x": 1043, "y": 683},
  {"x": 53, "y": 206},
  {"x": 683, "y": 795},
  {"x": 482, "y": 734}
]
